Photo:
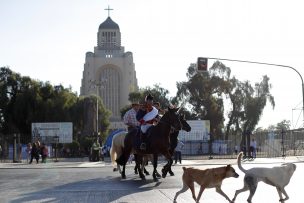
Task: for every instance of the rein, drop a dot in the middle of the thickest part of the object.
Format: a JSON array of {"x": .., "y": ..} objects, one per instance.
[{"x": 162, "y": 120}]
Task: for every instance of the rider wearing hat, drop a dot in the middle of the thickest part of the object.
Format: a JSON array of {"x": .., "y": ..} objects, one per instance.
[
  {"x": 130, "y": 117},
  {"x": 146, "y": 116}
]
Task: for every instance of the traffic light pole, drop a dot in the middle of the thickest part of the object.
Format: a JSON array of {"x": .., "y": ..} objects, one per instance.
[{"x": 268, "y": 64}]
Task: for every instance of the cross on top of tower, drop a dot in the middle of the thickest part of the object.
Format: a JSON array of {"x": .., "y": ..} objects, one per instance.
[{"x": 108, "y": 9}]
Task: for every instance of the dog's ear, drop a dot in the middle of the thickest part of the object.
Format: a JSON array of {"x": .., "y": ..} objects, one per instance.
[{"x": 228, "y": 167}]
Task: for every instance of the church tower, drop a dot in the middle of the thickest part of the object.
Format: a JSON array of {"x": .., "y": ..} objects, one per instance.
[{"x": 109, "y": 72}]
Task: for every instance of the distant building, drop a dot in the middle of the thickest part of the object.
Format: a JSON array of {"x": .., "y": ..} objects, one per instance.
[{"x": 109, "y": 69}]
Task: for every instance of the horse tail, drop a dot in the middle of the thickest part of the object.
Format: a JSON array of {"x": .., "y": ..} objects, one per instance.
[
  {"x": 113, "y": 155},
  {"x": 117, "y": 147},
  {"x": 184, "y": 168},
  {"x": 125, "y": 150}
]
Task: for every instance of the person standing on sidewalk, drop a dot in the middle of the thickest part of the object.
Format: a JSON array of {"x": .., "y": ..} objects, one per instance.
[
  {"x": 28, "y": 152},
  {"x": 178, "y": 151},
  {"x": 253, "y": 145},
  {"x": 44, "y": 152},
  {"x": 96, "y": 151},
  {"x": 34, "y": 153}
]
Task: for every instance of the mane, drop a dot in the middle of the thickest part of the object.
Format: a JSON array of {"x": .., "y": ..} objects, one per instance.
[{"x": 162, "y": 124}]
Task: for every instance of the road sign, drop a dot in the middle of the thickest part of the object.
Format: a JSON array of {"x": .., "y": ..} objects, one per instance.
[{"x": 46, "y": 132}]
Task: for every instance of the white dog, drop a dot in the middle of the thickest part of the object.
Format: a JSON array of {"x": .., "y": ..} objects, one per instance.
[{"x": 278, "y": 177}]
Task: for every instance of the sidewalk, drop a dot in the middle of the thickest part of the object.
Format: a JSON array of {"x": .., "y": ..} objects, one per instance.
[
  {"x": 52, "y": 163},
  {"x": 84, "y": 162}
]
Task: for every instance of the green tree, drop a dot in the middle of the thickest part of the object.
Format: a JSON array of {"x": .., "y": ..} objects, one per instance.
[
  {"x": 159, "y": 94},
  {"x": 283, "y": 125},
  {"x": 203, "y": 92},
  {"x": 24, "y": 101},
  {"x": 254, "y": 104}
]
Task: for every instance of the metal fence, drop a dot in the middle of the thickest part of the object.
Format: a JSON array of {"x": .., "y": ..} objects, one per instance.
[
  {"x": 269, "y": 144},
  {"x": 7, "y": 154}
]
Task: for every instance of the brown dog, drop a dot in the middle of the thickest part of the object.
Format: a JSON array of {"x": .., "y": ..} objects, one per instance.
[{"x": 208, "y": 178}]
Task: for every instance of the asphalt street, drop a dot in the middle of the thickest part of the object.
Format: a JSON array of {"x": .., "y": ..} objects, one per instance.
[{"x": 96, "y": 182}]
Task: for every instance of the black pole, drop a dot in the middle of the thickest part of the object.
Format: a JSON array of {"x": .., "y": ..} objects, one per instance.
[
  {"x": 283, "y": 148},
  {"x": 14, "y": 149},
  {"x": 19, "y": 148},
  {"x": 56, "y": 147}
]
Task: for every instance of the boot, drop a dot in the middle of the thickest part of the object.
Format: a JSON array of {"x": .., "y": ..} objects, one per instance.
[{"x": 143, "y": 143}]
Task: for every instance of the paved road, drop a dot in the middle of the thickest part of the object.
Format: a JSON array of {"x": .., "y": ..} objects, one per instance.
[{"x": 96, "y": 182}]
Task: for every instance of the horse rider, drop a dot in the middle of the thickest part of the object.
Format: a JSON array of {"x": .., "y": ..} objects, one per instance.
[
  {"x": 157, "y": 106},
  {"x": 146, "y": 117},
  {"x": 129, "y": 118}
]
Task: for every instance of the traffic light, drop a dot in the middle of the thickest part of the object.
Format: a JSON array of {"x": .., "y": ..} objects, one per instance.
[{"x": 202, "y": 64}]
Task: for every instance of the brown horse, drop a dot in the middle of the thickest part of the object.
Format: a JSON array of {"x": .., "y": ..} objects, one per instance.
[
  {"x": 173, "y": 143},
  {"x": 158, "y": 142}
]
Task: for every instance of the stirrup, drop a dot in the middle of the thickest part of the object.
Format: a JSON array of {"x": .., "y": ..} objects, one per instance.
[{"x": 143, "y": 146}]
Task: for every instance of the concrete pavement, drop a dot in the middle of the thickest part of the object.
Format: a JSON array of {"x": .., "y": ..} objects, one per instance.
[{"x": 75, "y": 181}]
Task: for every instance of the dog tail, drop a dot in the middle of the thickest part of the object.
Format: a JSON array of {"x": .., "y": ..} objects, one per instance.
[{"x": 239, "y": 160}]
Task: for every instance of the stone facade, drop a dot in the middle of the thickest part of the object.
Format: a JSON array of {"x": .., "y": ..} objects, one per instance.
[{"x": 109, "y": 72}]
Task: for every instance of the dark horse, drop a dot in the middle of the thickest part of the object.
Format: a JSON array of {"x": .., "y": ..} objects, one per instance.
[
  {"x": 174, "y": 135},
  {"x": 158, "y": 143},
  {"x": 173, "y": 143}
]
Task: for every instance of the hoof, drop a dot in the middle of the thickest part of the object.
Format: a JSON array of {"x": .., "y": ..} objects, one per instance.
[
  {"x": 147, "y": 173},
  {"x": 171, "y": 173},
  {"x": 123, "y": 177},
  {"x": 115, "y": 169},
  {"x": 158, "y": 175},
  {"x": 135, "y": 172}
]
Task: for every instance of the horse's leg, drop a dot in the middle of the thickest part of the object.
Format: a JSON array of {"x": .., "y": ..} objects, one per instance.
[
  {"x": 146, "y": 172},
  {"x": 118, "y": 168},
  {"x": 113, "y": 157},
  {"x": 138, "y": 161},
  {"x": 170, "y": 171},
  {"x": 135, "y": 167},
  {"x": 170, "y": 168},
  {"x": 168, "y": 165},
  {"x": 123, "y": 173},
  {"x": 124, "y": 156},
  {"x": 144, "y": 163},
  {"x": 155, "y": 158}
]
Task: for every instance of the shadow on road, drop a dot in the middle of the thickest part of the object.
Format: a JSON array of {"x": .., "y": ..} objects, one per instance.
[{"x": 106, "y": 189}]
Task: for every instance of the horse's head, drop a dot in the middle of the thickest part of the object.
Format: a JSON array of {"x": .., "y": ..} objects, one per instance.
[
  {"x": 185, "y": 126},
  {"x": 172, "y": 118}
]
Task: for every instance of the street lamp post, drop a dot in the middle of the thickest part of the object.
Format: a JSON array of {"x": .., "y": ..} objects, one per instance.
[
  {"x": 56, "y": 139},
  {"x": 97, "y": 85},
  {"x": 269, "y": 64}
]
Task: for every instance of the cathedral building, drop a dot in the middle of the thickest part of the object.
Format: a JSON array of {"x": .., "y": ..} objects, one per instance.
[{"x": 109, "y": 71}]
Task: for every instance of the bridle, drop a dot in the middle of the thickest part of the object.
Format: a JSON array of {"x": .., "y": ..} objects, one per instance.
[{"x": 172, "y": 127}]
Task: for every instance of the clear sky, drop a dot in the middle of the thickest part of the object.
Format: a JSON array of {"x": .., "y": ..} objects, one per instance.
[{"x": 47, "y": 40}]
